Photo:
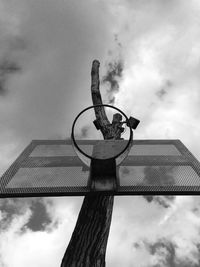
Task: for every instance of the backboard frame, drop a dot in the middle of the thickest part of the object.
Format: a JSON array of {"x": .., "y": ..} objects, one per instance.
[{"x": 25, "y": 161}]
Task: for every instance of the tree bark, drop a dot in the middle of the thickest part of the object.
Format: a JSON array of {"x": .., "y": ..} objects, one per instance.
[{"x": 87, "y": 247}]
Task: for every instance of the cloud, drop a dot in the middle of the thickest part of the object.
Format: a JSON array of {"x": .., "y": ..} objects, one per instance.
[
  {"x": 46, "y": 241},
  {"x": 51, "y": 47},
  {"x": 164, "y": 251},
  {"x": 39, "y": 219},
  {"x": 84, "y": 132},
  {"x": 148, "y": 234},
  {"x": 159, "y": 175},
  {"x": 160, "y": 76},
  {"x": 10, "y": 209},
  {"x": 6, "y": 69},
  {"x": 112, "y": 76},
  {"x": 161, "y": 93},
  {"x": 53, "y": 43},
  {"x": 163, "y": 254},
  {"x": 12, "y": 45},
  {"x": 164, "y": 201}
]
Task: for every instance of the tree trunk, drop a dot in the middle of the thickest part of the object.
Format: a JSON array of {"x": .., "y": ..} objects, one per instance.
[
  {"x": 89, "y": 239},
  {"x": 87, "y": 247}
]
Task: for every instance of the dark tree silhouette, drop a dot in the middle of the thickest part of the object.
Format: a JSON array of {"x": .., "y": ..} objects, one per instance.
[{"x": 88, "y": 243}]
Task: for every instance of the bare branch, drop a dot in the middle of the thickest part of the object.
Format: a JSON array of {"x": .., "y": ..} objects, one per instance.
[
  {"x": 96, "y": 95},
  {"x": 109, "y": 131}
]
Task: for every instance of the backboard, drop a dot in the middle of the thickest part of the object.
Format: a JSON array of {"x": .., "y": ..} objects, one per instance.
[{"x": 51, "y": 168}]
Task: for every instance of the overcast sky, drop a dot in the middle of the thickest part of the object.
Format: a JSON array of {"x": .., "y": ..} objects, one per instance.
[{"x": 150, "y": 63}]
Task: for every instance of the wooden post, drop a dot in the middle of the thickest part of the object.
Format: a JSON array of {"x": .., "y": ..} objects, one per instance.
[{"x": 87, "y": 247}]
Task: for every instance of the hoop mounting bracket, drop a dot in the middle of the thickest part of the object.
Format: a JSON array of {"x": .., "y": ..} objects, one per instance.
[{"x": 103, "y": 175}]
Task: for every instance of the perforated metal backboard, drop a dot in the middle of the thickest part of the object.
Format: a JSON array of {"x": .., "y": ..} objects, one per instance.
[{"x": 51, "y": 168}]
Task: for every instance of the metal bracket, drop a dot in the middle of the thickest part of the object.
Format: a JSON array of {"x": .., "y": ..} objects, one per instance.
[
  {"x": 103, "y": 175},
  {"x": 133, "y": 122}
]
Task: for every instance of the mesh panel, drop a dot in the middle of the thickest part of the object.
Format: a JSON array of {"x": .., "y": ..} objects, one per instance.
[
  {"x": 136, "y": 150},
  {"x": 58, "y": 150},
  {"x": 106, "y": 149},
  {"x": 51, "y": 168},
  {"x": 158, "y": 175},
  {"x": 49, "y": 177},
  {"x": 154, "y": 150}
]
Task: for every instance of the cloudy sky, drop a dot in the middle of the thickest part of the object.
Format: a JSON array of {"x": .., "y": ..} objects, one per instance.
[{"x": 150, "y": 63}]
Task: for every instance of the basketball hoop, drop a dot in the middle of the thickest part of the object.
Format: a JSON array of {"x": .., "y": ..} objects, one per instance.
[{"x": 103, "y": 170}]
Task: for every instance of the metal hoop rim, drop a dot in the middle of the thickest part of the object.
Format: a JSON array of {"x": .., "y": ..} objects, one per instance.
[{"x": 100, "y": 105}]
